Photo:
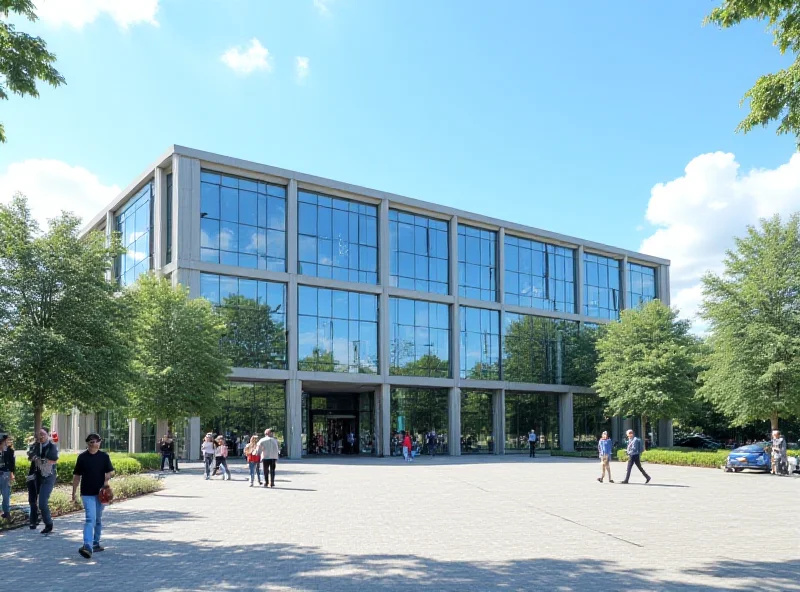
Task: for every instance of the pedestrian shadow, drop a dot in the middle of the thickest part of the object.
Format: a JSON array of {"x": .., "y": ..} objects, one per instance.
[{"x": 657, "y": 485}]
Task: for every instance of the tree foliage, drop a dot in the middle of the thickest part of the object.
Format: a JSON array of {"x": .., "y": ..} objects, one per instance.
[
  {"x": 23, "y": 59},
  {"x": 647, "y": 363},
  {"x": 754, "y": 314},
  {"x": 62, "y": 342},
  {"x": 775, "y": 96},
  {"x": 176, "y": 352}
]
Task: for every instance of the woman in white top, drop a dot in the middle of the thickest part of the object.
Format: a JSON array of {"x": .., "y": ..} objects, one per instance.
[
  {"x": 207, "y": 451},
  {"x": 221, "y": 456}
]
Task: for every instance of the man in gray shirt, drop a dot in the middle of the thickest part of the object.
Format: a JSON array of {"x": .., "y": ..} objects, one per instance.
[
  {"x": 270, "y": 450},
  {"x": 634, "y": 450}
]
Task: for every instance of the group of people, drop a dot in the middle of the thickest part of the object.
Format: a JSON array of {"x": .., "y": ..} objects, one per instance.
[
  {"x": 634, "y": 447},
  {"x": 259, "y": 453},
  {"x": 167, "y": 448}
]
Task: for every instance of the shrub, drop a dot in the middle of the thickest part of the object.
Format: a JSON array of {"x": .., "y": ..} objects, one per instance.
[
  {"x": 150, "y": 461},
  {"x": 694, "y": 458},
  {"x": 133, "y": 485},
  {"x": 126, "y": 466},
  {"x": 123, "y": 465},
  {"x": 575, "y": 454}
]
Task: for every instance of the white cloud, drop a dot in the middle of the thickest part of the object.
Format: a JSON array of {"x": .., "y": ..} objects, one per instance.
[
  {"x": 52, "y": 186},
  {"x": 698, "y": 215},
  {"x": 78, "y": 13},
  {"x": 301, "y": 67},
  {"x": 323, "y": 6},
  {"x": 256, "y": 57}
]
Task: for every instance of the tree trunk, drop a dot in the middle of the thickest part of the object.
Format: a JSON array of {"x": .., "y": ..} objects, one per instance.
[
  {"x": 37, "y": 420},
  {"x": 774, "y": 420},
  {"x": 644, "y": 432}
]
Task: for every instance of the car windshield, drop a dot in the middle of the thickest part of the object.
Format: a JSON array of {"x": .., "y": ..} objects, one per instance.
[{"x": 757, "y": 447}]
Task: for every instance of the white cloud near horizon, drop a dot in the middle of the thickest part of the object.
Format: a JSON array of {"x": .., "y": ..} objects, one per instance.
[
  {"x": 255, "y": 57},
  {"x": 53, "y": 186},
  {"x": 78, "y": 13},
  {"x": 301, "y": 65},
  {"x": 323, "y": 6},
  {"x": 698, "y": 215}
]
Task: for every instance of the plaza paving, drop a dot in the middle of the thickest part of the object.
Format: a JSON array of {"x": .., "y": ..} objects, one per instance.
[{"x": 444, "y": 524}]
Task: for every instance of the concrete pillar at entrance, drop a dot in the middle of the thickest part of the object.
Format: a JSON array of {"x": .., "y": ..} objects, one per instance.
[
  {"x": 383, "y": 414},
  {"x": 566, "y": 426},
  {"x": 60, "y": 424},
  {"x": 134, "y": 436},
  {"x": 628, "y": 423},
  {"x": 499, "y": 421},
  {"x": 192, "y": 442},
  {"x": 162, "y": 427},
  {"x": 454, "y": 411},
  {"x": 665, "y": 433},
  {"x": 617, "y": 435},
  {"x": 294, "y": 405}
]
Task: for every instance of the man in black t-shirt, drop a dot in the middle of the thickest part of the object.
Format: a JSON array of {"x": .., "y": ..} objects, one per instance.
[{"x": 92, "y": 471}]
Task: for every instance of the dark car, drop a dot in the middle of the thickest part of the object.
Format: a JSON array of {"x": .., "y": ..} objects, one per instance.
[
  {"x": 752, "y": 456},
  {"x": 699, "y": 441}
]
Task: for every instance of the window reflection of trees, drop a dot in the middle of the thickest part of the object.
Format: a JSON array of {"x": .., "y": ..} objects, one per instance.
[
  {"x": 476, "y": 422},
  {"x": 531, "y": 410},
  {"x": 418, "y": 411},
  {"x": 249, "y": 409},
  {"x": 420, "y": 338},
  {"x": 480, "y": 343}
]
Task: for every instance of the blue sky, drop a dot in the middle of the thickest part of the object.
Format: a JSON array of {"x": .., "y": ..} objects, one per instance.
[{"x": 563, "y": 120}]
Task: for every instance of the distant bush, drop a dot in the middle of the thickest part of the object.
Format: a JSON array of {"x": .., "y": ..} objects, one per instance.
[
  {"x": 124, "y": 464},
  {"x": 575, "y": 454},
  {"x": 150, "y": 461},
  {"x": 684, "y": 458}
]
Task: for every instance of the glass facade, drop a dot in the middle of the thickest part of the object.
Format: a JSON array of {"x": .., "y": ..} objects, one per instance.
[
  {"x": 480, "y": 343},
  {"x": 589, "y": 421},
  {"x": 418, "y": 411},
  {"x": 526, "y": 411},
  {"x": 641, "y": 285},
  {"x": 242, "y": 222},
  {"x": 338, "y": 331},
  {"x": 539, "y": 275},
  {"x": 254, "y": 312},
  {"x": 134, "y": 223},
  {"x": 420, "y": 338},
  {"x": 419, "y": 251},
  {"x": 601, "y": 295},
  {"x": 476, "y": 422},
  {"x": 477, "y": 263},
  {"x": 331, "y": 417},
  {"x": 337, "y": 238},
  {"x": 113, "y": 429}
]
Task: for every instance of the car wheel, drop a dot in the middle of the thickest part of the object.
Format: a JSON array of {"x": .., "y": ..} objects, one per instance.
[{"x": 738, "y": 469}]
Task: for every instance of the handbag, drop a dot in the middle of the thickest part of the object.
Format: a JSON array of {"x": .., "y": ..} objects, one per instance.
[{"x": 106, "y": 494}]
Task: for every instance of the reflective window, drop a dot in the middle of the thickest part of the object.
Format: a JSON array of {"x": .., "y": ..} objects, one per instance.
[
  {"x": 134, "y": 223},
  {"x": 337, "y": 238},
  {"x": 254, "y": 313},
  {"x": 546, "y": 351},
  {"x": 477, "y": 419},
  {"x": 420, "y": 338},
  {"x": 242, "y": 222},
  {"x": 539, "y": 275},
  {"x": 601, "y": 296},
  {"x": 112, "y": 426},
  {"x": 169, "y": 218},
  {"x": 338, "y": 331},
  {"x": 526, "y": 411},
  {"x": 641, "y": 285},
  {"x": 480, "y": 343},
  {"x": 419, "y": 252},
  {"x": 418, "y": 411},
  {"x": 250, "y": 408},
  {"x": 477, "y": 263},
  {"x": 590, "y": 421}
]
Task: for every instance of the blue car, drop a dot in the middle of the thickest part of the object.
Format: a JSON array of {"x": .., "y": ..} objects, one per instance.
[{"x": 752, "y": 456}]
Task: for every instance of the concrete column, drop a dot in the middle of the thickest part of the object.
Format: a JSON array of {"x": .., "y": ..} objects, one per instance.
[
  {"x": 294, "y": 406},
  {"x": 455, "y": 324},
  {"x": 499, "y": 421},
  {"x": 134, "y": 436},
  {"x": 110, "y": 227},
  {"x": 193, "y": 439},
  {"x": 454, "y": 413},
  {"x": 666, "y": 435},
  {"x": 623, "y": 284},
  {"x": 384, "y": 277},
  {"x": 566, "y": 426},
  {"x": 162, "y": 427},
  {"x": 159, "y": 234},
  {"x": 580, "y": 279},
  {"x": 186, "y": 209},
  {"x": 60, "y": 424},
  {"x": 628, "y": 423},
  {"x": 617, "y": 435},
  {"x": 291, "y": 268},
  {"x": 384, "y": 412},
  {"x": 662, "y": 287}
]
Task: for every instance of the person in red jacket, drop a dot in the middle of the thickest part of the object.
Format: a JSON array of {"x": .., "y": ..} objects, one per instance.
[{"x": 407, "y": 448}]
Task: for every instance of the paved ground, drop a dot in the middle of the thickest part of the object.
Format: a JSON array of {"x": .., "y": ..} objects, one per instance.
[{"x": 447, "y": 524}]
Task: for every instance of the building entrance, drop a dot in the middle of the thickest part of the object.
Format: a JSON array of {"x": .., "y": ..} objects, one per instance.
[{"x": 340, "y": 423}]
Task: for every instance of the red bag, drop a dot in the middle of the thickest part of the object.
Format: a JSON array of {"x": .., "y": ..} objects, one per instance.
[{"x": 106, "y": 495}]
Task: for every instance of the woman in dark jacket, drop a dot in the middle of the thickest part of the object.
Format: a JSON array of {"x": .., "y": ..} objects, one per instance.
[{"x": 7, "y": 467}]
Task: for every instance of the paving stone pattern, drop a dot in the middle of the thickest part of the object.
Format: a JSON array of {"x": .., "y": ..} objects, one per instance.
[{"x": 468, "y": 523}]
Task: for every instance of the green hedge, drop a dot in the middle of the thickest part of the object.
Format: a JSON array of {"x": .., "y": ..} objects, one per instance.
[
  {"x": 124, "y": 464},
  {"x": 694, "y": 458},
  {"x": 575, "y": 454},
  {"x": 150, "y": 461}
]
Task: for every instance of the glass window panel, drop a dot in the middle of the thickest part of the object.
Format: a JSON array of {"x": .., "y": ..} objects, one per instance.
[
  {"x": 276, "y": 213},
  {"x": 209, "y": 233},
  {"x": 229, "y": 204},
  {"x": 248, "y": 207},
  {"x": 307, "y": 219},
  {"x": 209, "y": 200},
  {"x": 209, "y": 287}
]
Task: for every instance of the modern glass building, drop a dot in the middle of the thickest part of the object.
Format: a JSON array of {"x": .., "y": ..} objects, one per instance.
[{"x": 354, "y": 310}]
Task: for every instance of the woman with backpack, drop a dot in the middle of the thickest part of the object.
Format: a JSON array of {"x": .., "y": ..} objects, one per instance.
[
  {"x": 253, "y": 459},
  {"x": 221, "y": 458}
]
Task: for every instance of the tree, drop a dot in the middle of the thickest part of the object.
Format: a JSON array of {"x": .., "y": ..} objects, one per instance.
[
  {"x": 62, "y": 337},
  {"x": 776, "y": 96},
  {"x": 176, "y": 355},
  {"x": 23, "y": 59},
  {"x": 255, "y": 335},
  {"x": 647, "y": 363},
  {"x": 754, "y": 314}
]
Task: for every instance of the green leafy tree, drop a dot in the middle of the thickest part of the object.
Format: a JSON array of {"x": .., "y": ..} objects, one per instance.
[
  {"x": 753, "y": 310},
  {"x": 23, "y": 59},
  {"x": 179, "y": 369},
  {"x": 254, "y": 336},
  {"x": 63, "y": 341},
  {"x": 647, "y": 363},
  {"x": 775, "y": 96}
]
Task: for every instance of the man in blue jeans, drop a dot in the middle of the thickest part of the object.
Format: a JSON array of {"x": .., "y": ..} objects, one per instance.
[
  {"x": 92, "y": 471},
  {"x": 43, "y": 455}
]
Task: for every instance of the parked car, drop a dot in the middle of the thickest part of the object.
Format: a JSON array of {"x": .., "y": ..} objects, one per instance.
[
  {"x": 751, "y": 456},
  {"x": 699, "y": 441}
]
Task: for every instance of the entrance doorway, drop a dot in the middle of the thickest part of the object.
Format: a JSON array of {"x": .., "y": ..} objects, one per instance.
[{"x": 338, "y": 423}]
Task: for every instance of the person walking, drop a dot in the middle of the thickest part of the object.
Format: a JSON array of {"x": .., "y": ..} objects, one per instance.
[
  {"x": 8, "y": 465},
  {"x": 92, "y": 471},
  {"x": 173, "y": 453},
  {"x": 253, "y": 459},
  {"x": 407, "y": 447},
  {"x": 634, "y": 449},
  {"x": 780, "y": 459},
  {"x": 532, "y": 437},
  {"x": 165, "y": 447},
  {"x": 604, "y": 446},
  {"x": 221, "y": 458},
  {"x": 269, "y": 449},
  {"x": 43, "y": 456},
  {"x": 432, "y": 442},
  {"x": 207, "y": 452}
]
